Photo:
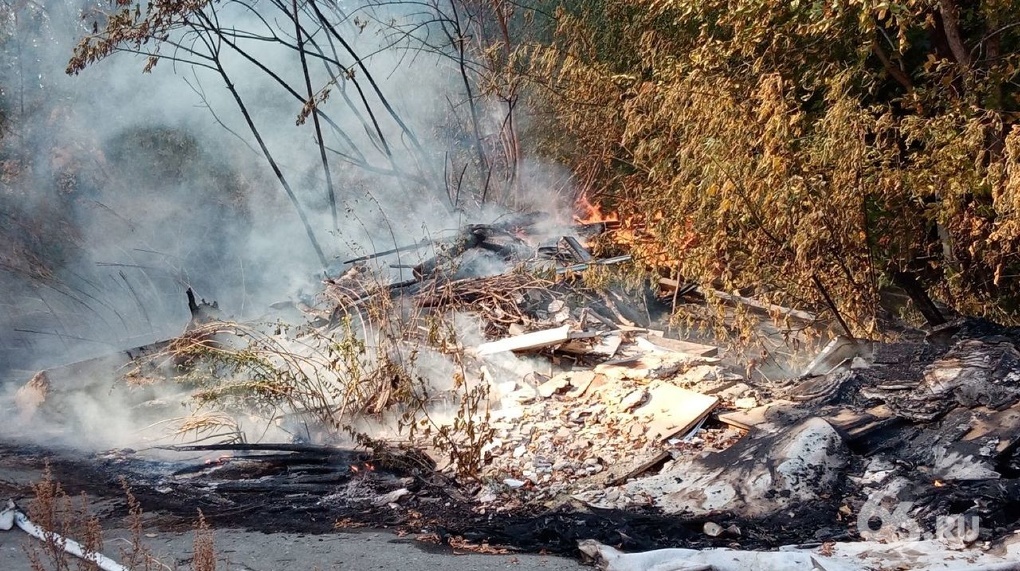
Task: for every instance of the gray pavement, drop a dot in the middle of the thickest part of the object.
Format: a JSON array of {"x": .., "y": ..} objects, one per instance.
[{"x": 247, "y": 551}]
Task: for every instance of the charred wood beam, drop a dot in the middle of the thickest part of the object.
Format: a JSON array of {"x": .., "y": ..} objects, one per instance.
[
  {"x": 580, "y": 252},
  {"x": 415, "y": 246},
  {"x": 602, "y": 262},
  {"x": 908, "y": 282},
  {"x": 470, "y": 239},
  {"x": 279, "y": 487},
  {"x": 192, "y": 303},
  {"x": 596, "y": 228},
  {"x": 477, "y": 231},
  {"x": 310, "y": 449}
]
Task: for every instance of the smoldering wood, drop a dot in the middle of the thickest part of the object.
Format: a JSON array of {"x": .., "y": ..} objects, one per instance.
[
  {"x": 448, "y": 252},
  {"x": 581, "y": 254},
  {"x": 575, "y": 268},
  {"x": 309, "y": 449},
  {"x": 590, "y": 229}
]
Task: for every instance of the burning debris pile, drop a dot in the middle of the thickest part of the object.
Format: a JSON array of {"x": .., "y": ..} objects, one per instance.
[{"x": 571, "y": 395}]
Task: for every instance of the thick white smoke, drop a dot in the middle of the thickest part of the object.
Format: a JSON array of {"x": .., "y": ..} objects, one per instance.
[{"x": 122, "y": 189}]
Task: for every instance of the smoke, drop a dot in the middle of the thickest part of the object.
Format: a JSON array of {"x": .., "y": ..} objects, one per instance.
[
  {"x": 122, "y": 189},
  {"x": 119, "y": 190}
]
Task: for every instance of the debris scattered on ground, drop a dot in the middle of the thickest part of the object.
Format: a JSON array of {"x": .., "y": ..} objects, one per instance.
[
  {"x": 857, "y": 556},
  {"x": 594, "y": 403}
]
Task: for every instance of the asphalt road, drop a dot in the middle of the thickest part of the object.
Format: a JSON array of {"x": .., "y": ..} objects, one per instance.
[{"x": 248, "y": 551}]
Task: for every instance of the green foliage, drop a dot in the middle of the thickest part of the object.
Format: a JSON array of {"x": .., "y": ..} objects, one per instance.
[{"x": 771, "y": 147}]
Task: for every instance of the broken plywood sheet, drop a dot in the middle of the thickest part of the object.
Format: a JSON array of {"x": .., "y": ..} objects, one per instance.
[
  {"x": 580, "y": 381},
  {"x": 859, "y": 424},
  {"x": 757, "y": 417},
  {"x": 533, "y": 340},
  {"x": 998, "y": 429},
  {"x": 672, "y": 410},
  {"x": 571, "y": 384},
  {"x": 837, "y": 351},
  {"x": 659, "y": 343}
]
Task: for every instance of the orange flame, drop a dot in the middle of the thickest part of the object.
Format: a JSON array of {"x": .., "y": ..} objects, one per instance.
[
  {"x": 585, "y": 212},
  {"x": 221, "y": 459},
  {"x": 366, "y": 467}
]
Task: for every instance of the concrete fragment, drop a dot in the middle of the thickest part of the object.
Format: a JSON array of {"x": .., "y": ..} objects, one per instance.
[
  {"x": 758, "y": 476},
  {"x": 745, "y": 403},
  {"x": 555, "y": 385}
]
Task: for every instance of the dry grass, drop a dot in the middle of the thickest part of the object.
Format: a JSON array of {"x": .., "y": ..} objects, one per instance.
[
  {"x": 204, "y": 546},
  {"x": 58, "y": 513}
]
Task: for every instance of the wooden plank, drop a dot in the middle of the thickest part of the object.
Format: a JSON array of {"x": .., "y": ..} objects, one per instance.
[
  {"x": 606, "y": 347},
  {"x": 533, "y": 340},
  {"x": 659, "y": 343},
  {"x": 558, "y": 384},
  {"x": 672, "y": 410}
]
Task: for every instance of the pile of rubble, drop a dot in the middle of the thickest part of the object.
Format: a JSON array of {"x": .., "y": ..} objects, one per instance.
[
  {"x": 583, "y": 429},
  {"x": 595, "y": 404}
]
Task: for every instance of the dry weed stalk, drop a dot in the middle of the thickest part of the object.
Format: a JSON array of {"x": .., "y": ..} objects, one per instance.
[
  {"x": 331, "y": 376},
  {"x": 138, "y": 556},
  {"x": 62, "y": 519},
  {"x": 53, "y": 510},
  {"x": 204, "y": 546}
]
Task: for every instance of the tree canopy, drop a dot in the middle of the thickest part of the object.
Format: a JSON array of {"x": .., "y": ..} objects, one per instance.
[
  {"x": 811, "y": 151},
  {"x": 803, "y": 148}
]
